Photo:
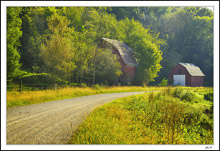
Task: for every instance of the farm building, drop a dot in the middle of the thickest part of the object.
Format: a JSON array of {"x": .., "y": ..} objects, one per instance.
[
  {"x": 125, "y": 56},
  {"x": 186, "y": 74}
]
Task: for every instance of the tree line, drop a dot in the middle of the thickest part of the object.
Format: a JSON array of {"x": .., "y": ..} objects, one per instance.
[{"x": 61, "y": 43}]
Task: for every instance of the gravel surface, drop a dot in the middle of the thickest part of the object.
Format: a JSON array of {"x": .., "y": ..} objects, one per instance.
[{"x": 52, "y": 122}]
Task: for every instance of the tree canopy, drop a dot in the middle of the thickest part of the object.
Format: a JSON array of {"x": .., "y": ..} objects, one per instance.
[{"x": 63, "y": 42}]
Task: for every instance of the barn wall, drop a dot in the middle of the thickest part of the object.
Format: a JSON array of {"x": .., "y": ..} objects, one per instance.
[
  {"x": 130, "y": 71},
  {"x": 114, "y": 50},
  {"x": 175, "y": 71},
  {"x": 119, "y": 58},
  {"x": 197, "y": 81},
  {"x": 127, "y": 70}
]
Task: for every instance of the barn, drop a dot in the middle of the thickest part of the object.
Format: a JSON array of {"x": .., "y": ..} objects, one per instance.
[
  {"x": 186, "y": 74},
  {"x": 125, "y": 56}
]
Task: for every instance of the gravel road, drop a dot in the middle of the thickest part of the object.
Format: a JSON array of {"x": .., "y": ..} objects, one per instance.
[{"x": 52, "y": 122}]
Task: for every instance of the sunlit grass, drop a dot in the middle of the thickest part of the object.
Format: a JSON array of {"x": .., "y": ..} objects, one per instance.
[
  {"x": 32, "y": 97},
  {"x": 151, "y": 118}
]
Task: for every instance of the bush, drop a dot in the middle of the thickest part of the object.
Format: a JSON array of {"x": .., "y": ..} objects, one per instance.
[
  {"x": 205, "y": 122},
  {"x": 73, "y": 84},
  {"x": 178, "y": 93},
  {"x": 208, "y": 96},
  {"x": 96, "y": 86},
  {"x": 187, "y": 96},
  {"x": 83, "y": 85},
  {"x": 191, "y": 115},
  {"x": 163, "y": 83}
]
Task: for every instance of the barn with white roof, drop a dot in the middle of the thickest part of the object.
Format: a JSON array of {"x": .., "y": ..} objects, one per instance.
[{"x": 186, "y": 74}]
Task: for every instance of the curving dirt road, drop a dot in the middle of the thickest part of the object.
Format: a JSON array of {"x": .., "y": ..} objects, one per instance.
[{"x": 52, "y": 122}]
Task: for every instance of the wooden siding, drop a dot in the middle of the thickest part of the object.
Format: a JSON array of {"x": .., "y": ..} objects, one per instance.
[
  {"x": 128, "y": 71},
  {"x": 175, "y": 71},
  {"x": 197, "y": 81},
  {"x": 189, "y": 81}
]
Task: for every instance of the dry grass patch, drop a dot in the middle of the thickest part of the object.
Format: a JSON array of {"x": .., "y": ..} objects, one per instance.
[
  {"x": 150, "y": 118},
  {"x": 32, "y": 97}
]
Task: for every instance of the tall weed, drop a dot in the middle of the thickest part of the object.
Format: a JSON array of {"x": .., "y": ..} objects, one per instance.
[{"x": 155, "y": 118}]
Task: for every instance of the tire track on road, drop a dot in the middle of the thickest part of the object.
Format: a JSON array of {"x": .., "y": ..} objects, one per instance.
[{"x": 52, "y": 122}]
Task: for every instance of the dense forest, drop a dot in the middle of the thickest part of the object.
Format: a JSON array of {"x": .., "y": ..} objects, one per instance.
[{"x": 60, "y": 44}]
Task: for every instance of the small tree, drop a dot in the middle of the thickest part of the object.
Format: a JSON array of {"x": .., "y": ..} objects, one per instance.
[
  {"x": 13, "y": 34},
  {"x": 164, "y": 82},
  {"x": 57, "y": 51}
]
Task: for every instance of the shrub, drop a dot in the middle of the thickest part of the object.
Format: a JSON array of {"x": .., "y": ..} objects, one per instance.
[
  {"x": 163, "y": 83},
  {"x": 191, "y": 115},
  {"x": 150, "y": 118},
  {"x": 206, "y": 123},
  {"x": 73, "y": 84},
  {"x": 83, "y": 85},
  {"x": 96, "y": 86},
  {"x": 187, "y": 96},
  {"x": 209, "y": 96},
  {"x": 178, "y": 93}
]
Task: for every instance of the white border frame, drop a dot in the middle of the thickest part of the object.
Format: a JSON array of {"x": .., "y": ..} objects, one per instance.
[{"x": 214, "y": 4}]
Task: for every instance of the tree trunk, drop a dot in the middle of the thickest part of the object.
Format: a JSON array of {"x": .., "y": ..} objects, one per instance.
[
  {"x": 93, "y": 80},
  {"x": 20, "y": 85}
]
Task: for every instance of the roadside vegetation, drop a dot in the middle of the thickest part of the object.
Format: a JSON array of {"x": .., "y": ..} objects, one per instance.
[
  {"x": 15, "y": 98},
  {"x": 173, "y": 116},
  {"x": 59, "y": 45}
]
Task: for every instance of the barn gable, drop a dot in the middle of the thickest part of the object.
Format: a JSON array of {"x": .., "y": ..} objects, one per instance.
[
  {"x": 125, "y": 52},
  {"x": 124, "y": 56}
]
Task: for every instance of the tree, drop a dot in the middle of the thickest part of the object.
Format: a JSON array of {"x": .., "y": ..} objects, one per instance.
[
  {"x": 146, "y": 47},
  {"x": 34, "y": 25},
  {"x": 57, "y": 51},
  {"x": 100, "y": 24},
  {"x": 163, "y": 83},
  {"x": 108, "y": 69},
  {"x": 125, "y": 12},
  {"x": 189, "y": 38},
  {"x": 13, "y": 34}
]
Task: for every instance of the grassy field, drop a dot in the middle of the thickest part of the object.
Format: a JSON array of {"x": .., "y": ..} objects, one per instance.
[
  {"x": 172, "y": 116},
  {"x": 32, "y": 97}
]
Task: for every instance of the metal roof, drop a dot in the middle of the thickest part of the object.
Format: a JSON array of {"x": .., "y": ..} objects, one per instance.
[
  {"x": 192, "y": 69},
  {"x": 125, "y": 51}
]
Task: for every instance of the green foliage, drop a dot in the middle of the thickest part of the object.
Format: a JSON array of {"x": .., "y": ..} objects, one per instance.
[
  {"x": 209, "y": 96},
  {"x": 146, "y": 47},
  {"x": 34, "y": 25},
  {"x": 83, "y": 85},
  {"x": 63, "y": 41},
  {"x": 163, "y": 83},
  {"x": 155, "y": 118},
  {"x": 13, "y": 34},
  {"x": 57, "y": 52},
  {"x": 96, "y": 86},
  {"x": 188, "y": 32},
  {"x": 108, "y": 68},
  {"x": 33, "y": 95}
]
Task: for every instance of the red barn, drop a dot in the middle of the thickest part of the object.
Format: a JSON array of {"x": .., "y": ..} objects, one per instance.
[
  {"x": 186, "y": 74},
  {"x": 125, "y": 56}
]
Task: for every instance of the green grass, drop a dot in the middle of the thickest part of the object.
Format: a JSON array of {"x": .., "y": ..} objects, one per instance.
[
  {"x": 32, "y": 97},
  {"x": 172, "y": 116}
]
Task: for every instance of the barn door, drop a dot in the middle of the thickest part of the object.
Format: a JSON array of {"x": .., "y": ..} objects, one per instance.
[{"x": 179, "y": 80}]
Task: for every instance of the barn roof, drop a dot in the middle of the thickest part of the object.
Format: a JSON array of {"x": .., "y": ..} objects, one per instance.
[
  {"x": 125, "y": 51},
  {"x": 192, "y": 69}
]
